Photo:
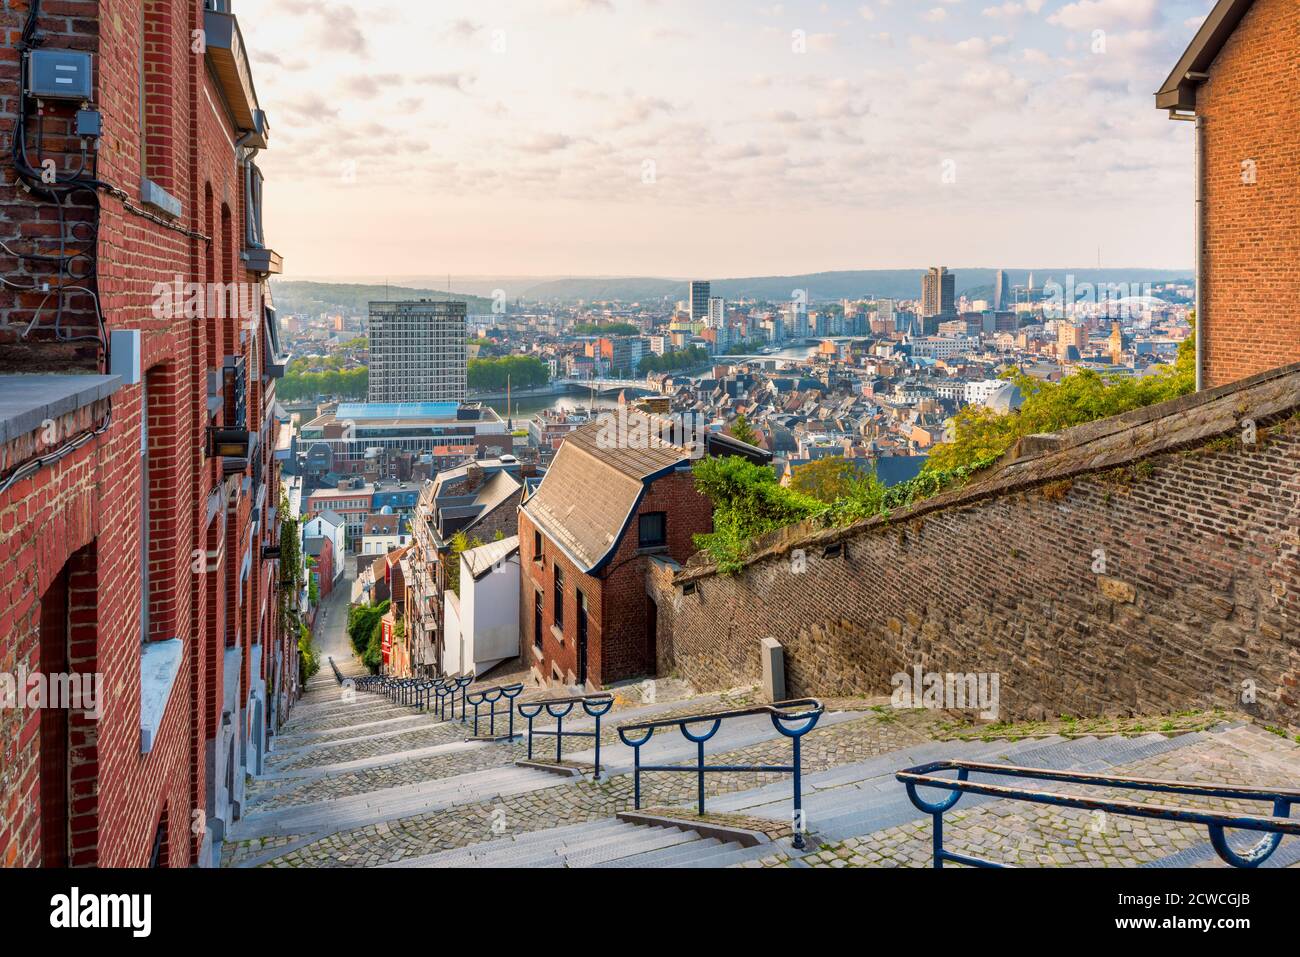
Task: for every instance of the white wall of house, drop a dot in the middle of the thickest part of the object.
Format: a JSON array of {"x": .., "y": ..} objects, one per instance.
[
  {"x": 382, "y": 544},
  {"x": 319, "y": 528},
  {"x": 482, "y": 626}
]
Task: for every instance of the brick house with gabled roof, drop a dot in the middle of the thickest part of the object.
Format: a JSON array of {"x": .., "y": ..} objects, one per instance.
[
  {"x": 1239, "y": 81},
  {"x": 613, "y": 499}
]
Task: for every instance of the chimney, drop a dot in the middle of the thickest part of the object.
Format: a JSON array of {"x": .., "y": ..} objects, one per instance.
[{"x": 473, "y": 476}]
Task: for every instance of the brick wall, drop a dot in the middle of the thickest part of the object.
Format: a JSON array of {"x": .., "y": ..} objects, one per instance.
[
  {"x": 83, "y": 515},
  {"x": 1251, "y": 278},
  {"x": 1199, "y": 591}
]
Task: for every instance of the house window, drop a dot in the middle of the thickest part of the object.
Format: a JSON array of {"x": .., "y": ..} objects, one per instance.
[
  {"x": 652, "y": 530},
  {"x": 537, "y": 620},
  {"x": 537, "y": 546},
  {"x": 559, "y": 598}
]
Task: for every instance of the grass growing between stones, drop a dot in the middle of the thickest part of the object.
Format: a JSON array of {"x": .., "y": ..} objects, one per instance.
[{"x": 1070, "y": 726}]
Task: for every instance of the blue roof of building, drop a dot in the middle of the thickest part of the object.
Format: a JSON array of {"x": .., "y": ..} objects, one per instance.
[{"x": 396, "y": 410}]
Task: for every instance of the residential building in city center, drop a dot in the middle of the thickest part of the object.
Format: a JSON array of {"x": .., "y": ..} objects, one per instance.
[{"x": 418, "y": 351}]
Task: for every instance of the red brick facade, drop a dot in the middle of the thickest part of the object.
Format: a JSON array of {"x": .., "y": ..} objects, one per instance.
[
  {"x": 1251, "y": 246},
  {"x": 620, "y": 642},
  {"x": 75, "y": 526}
]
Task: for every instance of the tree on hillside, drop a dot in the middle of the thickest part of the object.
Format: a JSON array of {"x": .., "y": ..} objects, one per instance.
[
  {"x": 743, "y": 431},
  {"x": 828, "y": 479}
]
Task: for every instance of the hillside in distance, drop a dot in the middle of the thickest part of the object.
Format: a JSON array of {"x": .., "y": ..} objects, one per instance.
[
  {"x": 297, "y": 297},
  {"x": 853, "y": 284},
  {"x": 302, "y": 297}
]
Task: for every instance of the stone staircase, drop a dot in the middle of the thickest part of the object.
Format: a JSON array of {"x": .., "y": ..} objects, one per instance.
[
  {"x": 356, "y": 780},
  {"x": 607, "y": 843}
]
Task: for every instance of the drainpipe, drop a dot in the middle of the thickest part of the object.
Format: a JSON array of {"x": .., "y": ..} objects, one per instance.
[{"x": 1200, "y": 253}]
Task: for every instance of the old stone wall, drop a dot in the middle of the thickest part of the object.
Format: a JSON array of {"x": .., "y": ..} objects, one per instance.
[{"x": 1149, "y": 570}]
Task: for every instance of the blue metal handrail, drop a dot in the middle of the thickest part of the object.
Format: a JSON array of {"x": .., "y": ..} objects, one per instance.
[
  {"x": 809, "y": 712},
  {"x": 401, "y": 690},
  {"x": 446, "y": 696},
  {"x": 490, "y": 696},
  {"x": 1216, "y": 821},
  {"x": 338, "y": 675},
  {"x": 595, "y": 705},
  {"x": 425, "y": 690}
]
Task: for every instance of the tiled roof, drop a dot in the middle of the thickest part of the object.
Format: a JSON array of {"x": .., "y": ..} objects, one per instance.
[
  {"x": 481, "y": 560},
  {"x": 380, "y": 525},
  {"x": 595, "y": 482}
]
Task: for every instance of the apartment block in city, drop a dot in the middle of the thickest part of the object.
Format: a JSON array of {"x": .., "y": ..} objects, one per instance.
[
  {"x": 700, "y": 292},
  {"x": 938, "y": 299},
  {"x": 418, "y": 351}
]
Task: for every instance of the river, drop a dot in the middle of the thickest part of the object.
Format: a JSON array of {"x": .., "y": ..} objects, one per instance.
[{"x": 526, "y": 406}]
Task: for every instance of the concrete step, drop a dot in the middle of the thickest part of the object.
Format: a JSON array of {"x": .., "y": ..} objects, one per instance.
[
  {"x": 627, "y": 843},
  {"x": 727, "y": 855},
  {"x": 666, "y": 857},
  {"x": 549, "y": 837},
  {"x": 393, "y": 803}
]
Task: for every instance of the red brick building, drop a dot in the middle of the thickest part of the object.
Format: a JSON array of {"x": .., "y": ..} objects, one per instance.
[
  {"x": 139, "y": 490},
  {"x": 1239, "y": 81},
  {"x": 618, "y": 495},
  {"x": 320, "y": 551}
]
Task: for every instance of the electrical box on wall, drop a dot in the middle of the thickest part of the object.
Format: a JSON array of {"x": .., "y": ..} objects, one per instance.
[
  {"x": 59, "y": 74},
  {"x": 124, "y": 353}
]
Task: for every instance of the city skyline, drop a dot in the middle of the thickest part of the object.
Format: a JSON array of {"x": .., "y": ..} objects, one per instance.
[{"x": 858, "y": 152}]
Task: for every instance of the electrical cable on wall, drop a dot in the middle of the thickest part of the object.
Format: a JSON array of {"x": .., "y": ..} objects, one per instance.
[{"x": 30, "y": 180}]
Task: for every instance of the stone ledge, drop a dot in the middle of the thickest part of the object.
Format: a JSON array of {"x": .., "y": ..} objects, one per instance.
[
  {"x": 564, "y": 770},
  {"x": 160, "y": 662},
  {"x": 27, "y": 401},
  {"x": 701, "y": 826}
]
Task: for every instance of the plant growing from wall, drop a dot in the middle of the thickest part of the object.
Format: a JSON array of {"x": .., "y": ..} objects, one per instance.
[
  {"x": 308, "y": 660},
  {"x": 982, "y": 435},
  {"x": 748, "y": 503},
  {"x": 460, "y": 542}
]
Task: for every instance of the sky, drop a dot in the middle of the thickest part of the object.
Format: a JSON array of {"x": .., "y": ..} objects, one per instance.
[{"x": 719, "y": 138}]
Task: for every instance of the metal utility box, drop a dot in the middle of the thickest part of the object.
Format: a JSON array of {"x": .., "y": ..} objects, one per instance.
[{"x": 59, "y": 74}]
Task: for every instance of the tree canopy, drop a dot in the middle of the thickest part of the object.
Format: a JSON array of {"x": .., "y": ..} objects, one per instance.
[
  {"x": 980, "y": 434},
  {"x": 522, "y": 372},
  {"x": 741, "y": 430}
]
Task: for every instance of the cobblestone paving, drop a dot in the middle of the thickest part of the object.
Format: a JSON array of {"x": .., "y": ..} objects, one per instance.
[
  {"x": 411, "y": 771},
  {"x": 582, "y": 800},
  {"x": 424, "y": 737},
  {"x": 344, "y": 718},
  {"x": 303, "y": 739},
  {"x": 1031, "y": 835}
]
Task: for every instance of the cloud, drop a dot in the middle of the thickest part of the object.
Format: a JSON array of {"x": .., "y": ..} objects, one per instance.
[
  {"x": 447, "y": 81},
  {"x": 1094, "y": 14},
  {"x": 1013, "y": 9},
  {"x": 337, "y": 26},
  {"x": 546, "y": 143},
  {"x": 465, "y": 29}
]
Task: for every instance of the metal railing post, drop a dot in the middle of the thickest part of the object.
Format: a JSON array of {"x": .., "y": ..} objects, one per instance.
[{"x": 1217, "y": 822}]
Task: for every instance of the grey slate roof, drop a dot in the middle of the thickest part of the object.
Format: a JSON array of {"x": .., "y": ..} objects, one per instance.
[{"x": 595, "y": 482}]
